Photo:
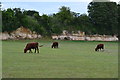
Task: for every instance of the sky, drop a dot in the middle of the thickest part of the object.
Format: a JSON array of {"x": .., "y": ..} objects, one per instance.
[{"x": 48, "y": 7}]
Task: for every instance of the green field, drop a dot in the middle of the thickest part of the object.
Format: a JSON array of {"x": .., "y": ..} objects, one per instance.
[{"x": 73, "y": 59}]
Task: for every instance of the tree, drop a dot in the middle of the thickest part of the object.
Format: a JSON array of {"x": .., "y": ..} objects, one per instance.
[
  {"x": 85, "y": 24},
  {"x": 102, "y": 19},
  {"x": 31, "y": 13},
  {"x": 44, "y": 21},
  {"x": 119, "y": 21},
  {"x": 0, "y": 18},
  {"x": 64, "y": 18},
  {"x": 32, "y": 24},
  {"x": 10, "y": 22},
  {"x": 56, "y": 25},
  {"x": 104, "y": 16}
]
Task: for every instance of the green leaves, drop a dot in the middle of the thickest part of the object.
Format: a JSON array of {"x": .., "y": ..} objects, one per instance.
[{"x": 104, "y": 16}]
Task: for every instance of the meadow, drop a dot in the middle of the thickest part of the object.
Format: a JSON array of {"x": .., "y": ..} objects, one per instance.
[{"x": 73, "y": 59}]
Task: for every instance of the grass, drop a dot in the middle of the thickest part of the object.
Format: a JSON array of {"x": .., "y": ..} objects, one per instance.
[
  {"x": 0, "y": 59},
  {"x": 73, "y": 59}
]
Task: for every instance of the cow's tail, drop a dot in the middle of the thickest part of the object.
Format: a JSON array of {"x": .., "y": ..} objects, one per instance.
[{"x": 41, "y": 46}]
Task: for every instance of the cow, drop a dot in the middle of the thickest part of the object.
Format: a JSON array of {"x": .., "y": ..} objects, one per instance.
[
  {"x": 32, "y": 45},
  {"x": 54, "y": 45},
  {"x": 99, "y": 47}
]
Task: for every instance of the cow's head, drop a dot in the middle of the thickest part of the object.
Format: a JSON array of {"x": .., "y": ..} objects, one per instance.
[
  {"x": 25, "y": 50},
  {"x": 96, "y": 49}
]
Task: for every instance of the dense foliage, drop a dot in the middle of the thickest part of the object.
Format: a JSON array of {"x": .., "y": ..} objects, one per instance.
[{"x": 102, "y": 18}]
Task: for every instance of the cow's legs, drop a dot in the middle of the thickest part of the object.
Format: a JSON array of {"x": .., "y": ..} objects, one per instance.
[
  {"x": 30, "y": 51},
  {"x": 52, "y": 46},
  {"x": 97, "y": 49},
  {"x": 37, "y": 49},
  {"x": 103, "y": 48}
]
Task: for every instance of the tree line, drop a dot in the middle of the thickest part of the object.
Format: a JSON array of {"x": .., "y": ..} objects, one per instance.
[{"x": 102, "y": 18}]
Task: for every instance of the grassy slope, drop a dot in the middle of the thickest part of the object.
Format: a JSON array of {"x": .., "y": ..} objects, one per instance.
[{"x": 74, "y": 59}]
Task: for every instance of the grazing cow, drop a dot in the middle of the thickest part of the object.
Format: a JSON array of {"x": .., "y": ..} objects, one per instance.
[
  {"x": 55, "y": 45},
  {"x": 99, "y": 47},
  {"x": 33, "y": 45}
]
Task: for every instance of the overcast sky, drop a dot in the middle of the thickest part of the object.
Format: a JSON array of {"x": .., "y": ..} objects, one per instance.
[{"x": 48, "y": 7}]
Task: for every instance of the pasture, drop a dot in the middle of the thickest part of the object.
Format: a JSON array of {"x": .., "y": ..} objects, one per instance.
[{"x": 73, "y": 59}]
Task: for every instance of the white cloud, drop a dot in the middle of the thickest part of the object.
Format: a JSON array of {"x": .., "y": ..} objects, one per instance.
[
  {"x": 52, "y": 0},
  {"x": 46, "y": 0},
  {"x": 115, "y": 0}
]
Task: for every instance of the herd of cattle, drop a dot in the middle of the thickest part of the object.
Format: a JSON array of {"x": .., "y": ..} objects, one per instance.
[{"x": 35, "y": 45}]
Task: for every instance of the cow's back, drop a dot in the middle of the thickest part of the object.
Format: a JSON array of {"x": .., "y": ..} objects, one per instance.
[
  {"x": 101, "y": 45},
  {"x": 32, "y": 45},
  {"x": 55, "y": 43}
]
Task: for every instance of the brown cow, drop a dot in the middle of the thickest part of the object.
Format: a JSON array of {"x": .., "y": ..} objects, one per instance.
[
  {"x": 99, "y": 47},
  {"x": 54, "y": 45},
  {"x": 33, "y": 45}
]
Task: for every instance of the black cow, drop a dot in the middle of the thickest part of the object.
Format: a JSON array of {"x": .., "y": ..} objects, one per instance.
[
  {"x": 99, "y": 47},
  {"x": 54, "y": 45}
]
